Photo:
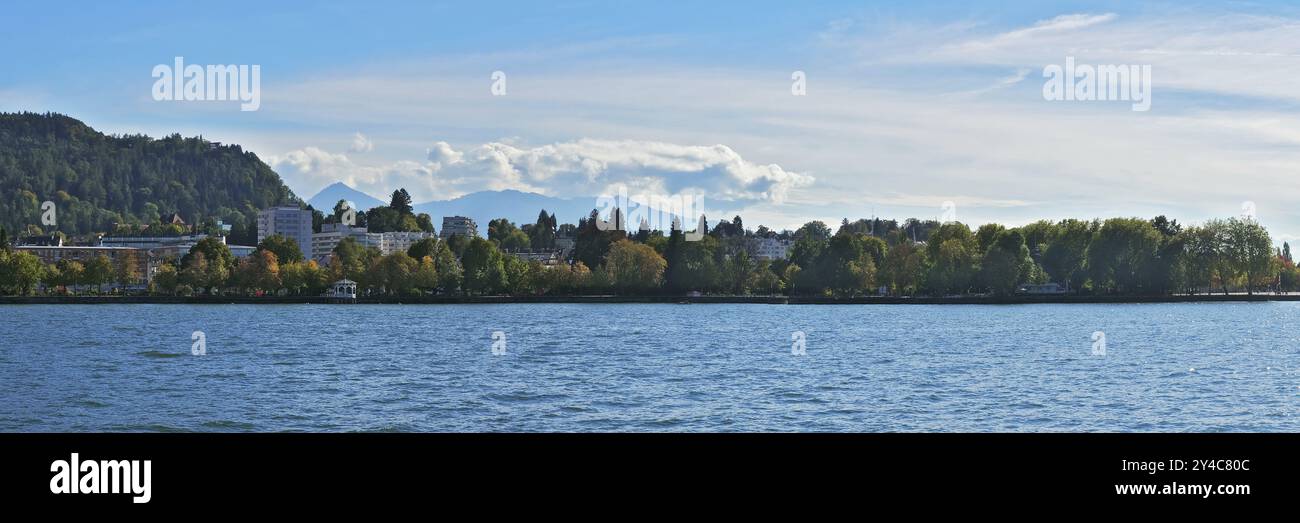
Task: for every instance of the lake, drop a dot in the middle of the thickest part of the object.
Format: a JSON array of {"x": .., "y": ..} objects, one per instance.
[{"x": 651, "y": 367}]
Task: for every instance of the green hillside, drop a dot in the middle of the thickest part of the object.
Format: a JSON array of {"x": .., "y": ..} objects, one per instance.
[{"x": 98, "y": 180}]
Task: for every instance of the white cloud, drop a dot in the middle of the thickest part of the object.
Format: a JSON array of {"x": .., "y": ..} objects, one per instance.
[
  {"x": 958, "y": 119},
  {"x": 583, "y": 167},
  {"x": 361, "y": 144},
  {"x": 1059, "y": 24}
]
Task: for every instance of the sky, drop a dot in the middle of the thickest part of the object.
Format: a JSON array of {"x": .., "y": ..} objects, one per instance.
[{"x": 905, "y": 107}]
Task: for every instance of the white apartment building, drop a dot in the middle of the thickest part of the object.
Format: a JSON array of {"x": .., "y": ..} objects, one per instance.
[
  {"x": 287, "y": 221},
  {"x": 770, "y": 248},
  {"x": 391, "y": 242},
  {"x": 323, "y": 242},
  {"x": 458, "y": 225}
]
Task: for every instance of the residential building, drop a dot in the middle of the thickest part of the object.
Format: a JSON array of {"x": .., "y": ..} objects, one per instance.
[
  {"x": 770, "y": 248},
  {"x": 170, "y": 246},
  {"x": 458, "y": 225},
  {"x": 393, "y": 242},
  {"x": 241, "y": 251},
  {"x": 153, "y": 242},
  {"x": 322, "y": 243},
  {"x": 53, "y": 254},
  {"x": 548, "y": 258},
  {"x": 287, "y": 221},
  {"x": 50, "y": 240}
]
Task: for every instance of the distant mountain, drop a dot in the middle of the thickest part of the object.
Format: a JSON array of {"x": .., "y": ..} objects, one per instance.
[
  {"x": 97, "y": 180},
  {"x": 516, "y": 206},
  {"x": 325, "y": 200},
  {"x": 483, "y": 206}
]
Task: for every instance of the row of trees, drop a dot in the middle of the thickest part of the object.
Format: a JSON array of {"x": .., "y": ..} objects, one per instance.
[{"x": 1127, "y": 256}]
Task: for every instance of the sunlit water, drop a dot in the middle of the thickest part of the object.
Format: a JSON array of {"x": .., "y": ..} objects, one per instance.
[{"x": 637, "y": 367}]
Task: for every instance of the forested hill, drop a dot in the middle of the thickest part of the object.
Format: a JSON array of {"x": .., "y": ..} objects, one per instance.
[{"x": 97, "y": 180}]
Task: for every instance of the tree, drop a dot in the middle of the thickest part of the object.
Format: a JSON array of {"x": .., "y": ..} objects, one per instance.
[
  {"x": 260, "y": 271},
  {"x": 764, "y": 281},
  {"x": 846, "y": 266},
  {"x": 954, "y": 266},
  {"x": 634, "y": 267},
  {"x": 591, "y": 243},
  {"x": 499, "y": 229},
  {"x": 542, "y": 235},
  {"x": 518, "y": 275},
  {"x": 951, "y": 248},
  {"x": 904, "y": 267},
  {"x": 127, "y": 269},
  {"x": 286, "y": 249},
  {"x": 986, "y": 234},
  {"x": 73, "y": 273},
  {"x": 395, "y": 273},
  {"x": 1066, "y": 253},
  {"x": 425, "y": 247},
  {"x": 1251, "y": 252},
  {"x": 1006, "y": 263},
  {"x": 401, "y": 202},
  {"x": 194, "y": 270},
  {"x": 1121, "y": 253},
  {"x": 220, "y": 263},
  {"x": 516, "y": 241},
  {"x": 790, "y": 276},
  {"x": 449, "y": 269},
  {"x": 165, "y": 280},
  {"x": 303, "y": 278},
  {"x": 99, "y": 270},
  {"x": 483, "y": 267},
  {"x": 20, "y": 272}
]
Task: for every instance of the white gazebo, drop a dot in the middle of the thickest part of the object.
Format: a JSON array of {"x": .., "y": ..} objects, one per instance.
[{"x": 344, "y": 288}]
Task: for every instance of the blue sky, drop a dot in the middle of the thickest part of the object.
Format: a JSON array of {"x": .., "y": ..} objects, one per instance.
[{"x": 907, "y": 106}]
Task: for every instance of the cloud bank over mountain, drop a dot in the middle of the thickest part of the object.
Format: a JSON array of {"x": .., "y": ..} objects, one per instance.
[{"x": 576, "y": 168}]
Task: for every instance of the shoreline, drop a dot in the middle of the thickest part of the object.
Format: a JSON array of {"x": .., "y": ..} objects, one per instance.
[{"x": 767, "y": 300}]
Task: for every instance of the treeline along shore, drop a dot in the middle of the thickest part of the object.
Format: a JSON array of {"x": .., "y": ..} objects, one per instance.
[
  {"x": 135, "y": 186},
  {"x": 683, "y": 300}
]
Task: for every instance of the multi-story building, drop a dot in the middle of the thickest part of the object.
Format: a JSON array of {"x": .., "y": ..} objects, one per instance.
[
  {"x": 287, "y": 221},
  {"x": 392, "y": 242},
  {"x": 50, "y": 240},
  {"x": 770, "y": 248},
  {"x": 170, "y": 246},
  {"x": 548, "y": 259},
  {"x": 458, "y": 225},
  {"x": 52, "y": 254},
  {"x": 323, "y": 243}
]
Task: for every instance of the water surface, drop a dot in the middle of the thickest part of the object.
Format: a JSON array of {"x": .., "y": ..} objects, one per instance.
[{"x": 650, "y": 367}]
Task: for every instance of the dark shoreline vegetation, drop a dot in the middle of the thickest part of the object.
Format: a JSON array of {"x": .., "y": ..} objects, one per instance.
[
  {"x": 609, "y": 299},
  {"x": 1126, "y": 258},
  {"x": 127, "y": 184}
]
